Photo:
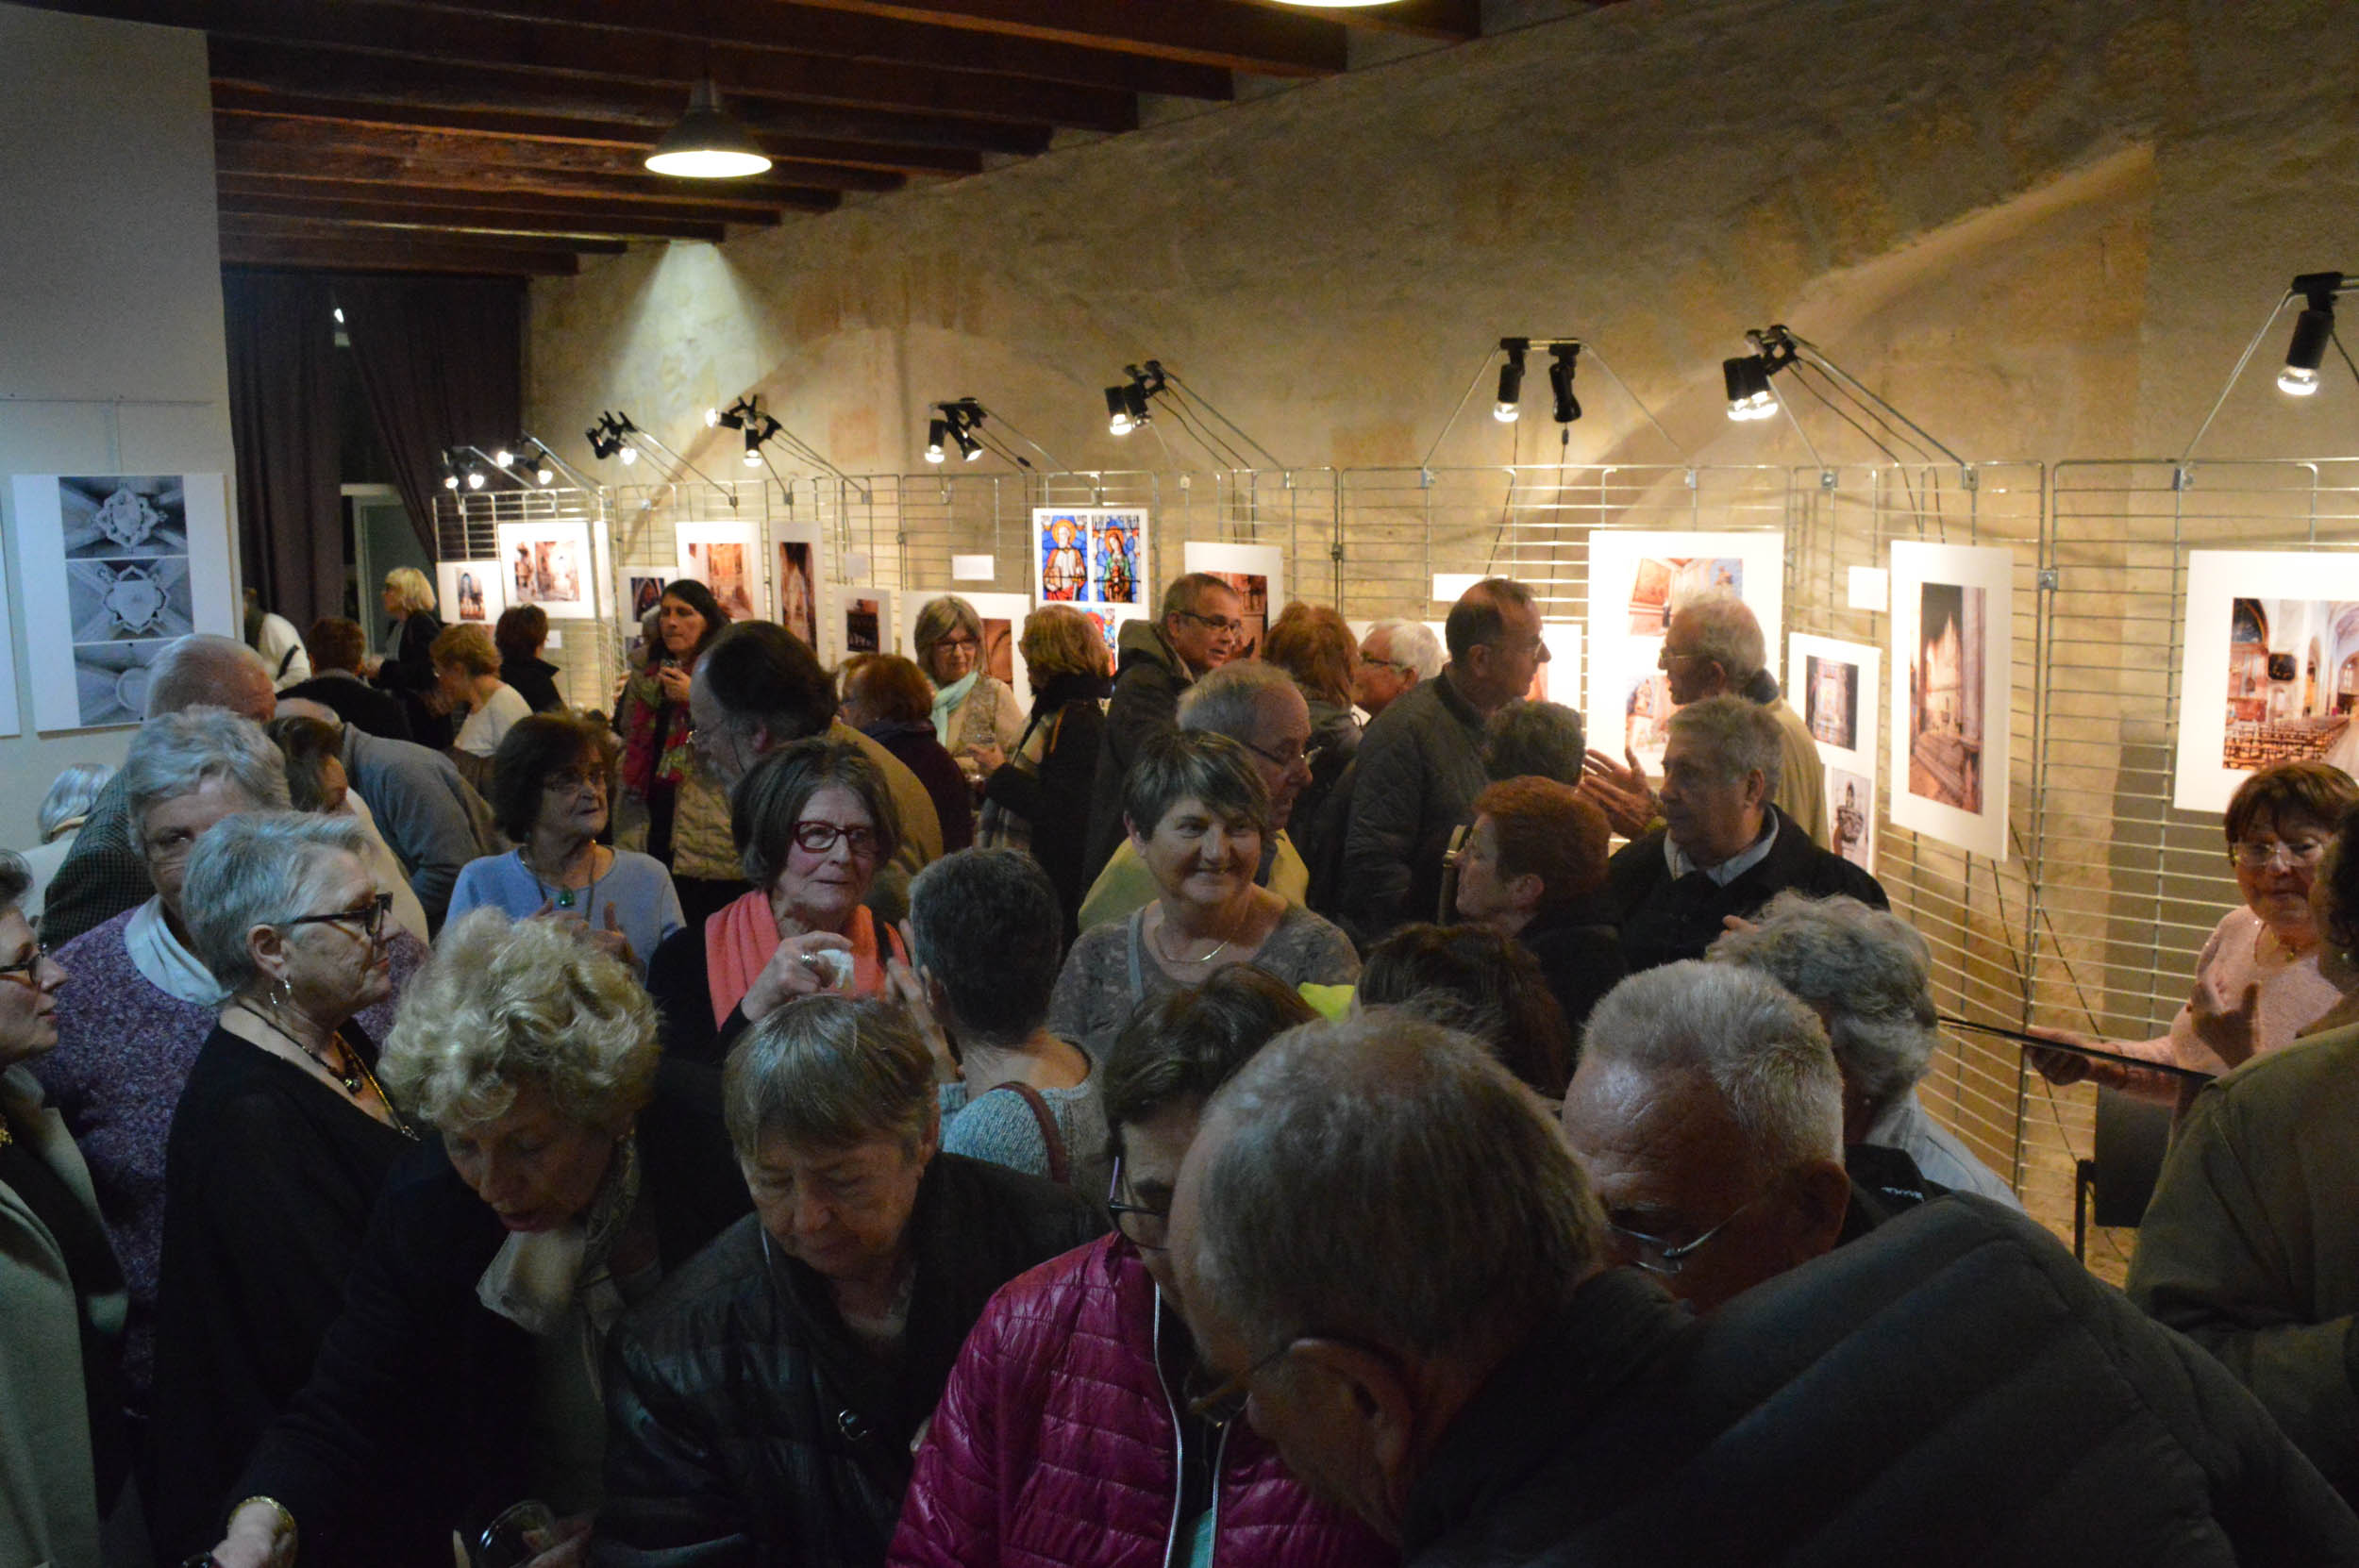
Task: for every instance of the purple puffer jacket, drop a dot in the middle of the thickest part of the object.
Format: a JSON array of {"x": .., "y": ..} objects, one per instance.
[{"x": 1056, "y": 1444}]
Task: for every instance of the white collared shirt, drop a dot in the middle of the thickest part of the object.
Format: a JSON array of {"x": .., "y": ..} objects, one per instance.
[{"x": 1735, "y": 866}]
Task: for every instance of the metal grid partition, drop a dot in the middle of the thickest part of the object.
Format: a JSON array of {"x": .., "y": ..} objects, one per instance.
[
  {"x": 466, "y": 528},
  {"x": 2131, "y": 886}
]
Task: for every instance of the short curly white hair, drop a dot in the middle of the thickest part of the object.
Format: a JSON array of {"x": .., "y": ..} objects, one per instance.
[{"x": 507, "y": 1004}]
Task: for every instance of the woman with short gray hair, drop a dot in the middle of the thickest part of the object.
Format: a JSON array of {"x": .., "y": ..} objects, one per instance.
[
  {"x": 144, "y": 1003},
  {"x": 278, "y": 1147},
  {"x": 1197, "y": 811},
  {"x": 462, "y": 1375},
  {"x": 976, "y": 715}
]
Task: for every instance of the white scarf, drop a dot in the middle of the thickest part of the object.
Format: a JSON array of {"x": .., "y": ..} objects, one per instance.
[{"x": 163, "y": 964}]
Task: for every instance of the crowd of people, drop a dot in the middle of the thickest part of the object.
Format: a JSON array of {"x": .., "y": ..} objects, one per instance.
[{"x": 1239, "y": 1110}]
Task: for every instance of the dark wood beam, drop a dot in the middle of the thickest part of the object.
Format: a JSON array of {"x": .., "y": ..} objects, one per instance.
[
  {"x": 391, "y": 256},
  {"x": 243, "y": 157},
  {"x": 1234, "y": 35},
  {"x": 243, "y": 186},
  {"x": 429, "y": 151},
  {"x": 344, "y": 73},
  {"x": 464, "y": 37},
  {"x": 616, "y": 131},
  {"x": 249, "y": 226},
  {"x": 811, "y": 30},
  {"x": 1448, "y": 20},
  {"x": 504, "y": 216}
]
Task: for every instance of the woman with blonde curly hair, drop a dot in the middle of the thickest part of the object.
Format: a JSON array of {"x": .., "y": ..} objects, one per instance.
[
  {"x": 1038, "y": 798},
  {"x": 570, "y": 1178},
  {"x": 408, "y": 671}
]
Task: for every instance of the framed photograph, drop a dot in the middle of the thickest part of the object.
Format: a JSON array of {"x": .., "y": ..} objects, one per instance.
[
  {"x": 2270, "y": 672},
  {"x": 548, "y": 563},
  {"x": 1952, "y": 617},
  {"x": 1089, "y": 555},
  {"x": 798, "y": 577},
  {"x": 1638, "y": 579},
  {"x": 867, "y": 620},
  {"x": 1834, "y": 689},
  {"x": 1257, "y": 572},
  {"x": 113, "y": 568},
  {"x": 727, "y": 558},
  {"x": 468, "y": 592},
  {"x": 1002, "y": 615}
]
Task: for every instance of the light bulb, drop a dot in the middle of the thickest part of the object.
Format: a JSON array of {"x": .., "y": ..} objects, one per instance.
[
  {"x": 972, "y": 451},
  {"x": 544, "y": 475},
  {"x": 712, "y": 419},
  {"x": 475, "y": 478},
  {"x": 504, "y": 459},
  {"x": 1506, "y": 412},
  {"x": 630, "y": 455},
  {"x": 1121, "y": 424},
  {"x": 340, "y": 315},
  {"x": 450, "y": 481},
  {"x": 753, "y": 458},
  {"x": 2297, "y": 382}
]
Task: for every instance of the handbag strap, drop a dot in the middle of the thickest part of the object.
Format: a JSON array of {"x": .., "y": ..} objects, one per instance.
[{"x": 1057, "y": 1168}]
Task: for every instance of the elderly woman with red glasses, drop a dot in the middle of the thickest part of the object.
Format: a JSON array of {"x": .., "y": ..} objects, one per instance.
[
  {"x": 279, "y": 1145},
  {"x": 812, "y": 821},
  {"x": 1078, "y": 1427}
]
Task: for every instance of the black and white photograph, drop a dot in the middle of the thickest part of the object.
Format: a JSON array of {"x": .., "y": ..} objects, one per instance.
[
  {"x": 125, "y": 601},
  {"x": 111, "y": 681},
  {"x": 117, "y": 516}
]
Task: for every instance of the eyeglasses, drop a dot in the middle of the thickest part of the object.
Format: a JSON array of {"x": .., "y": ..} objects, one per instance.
[
  {"x": 27, "y": 972},
  {"x": 1149, "y": 1229},
  {"x": 1662, "y": 660},
  {"x": 369, "y": 919},
  {"x": 2260, "y": 854},
  {"x": 1658, "y": 1256},
  {"x": 1309, "y": 757},
  {"x": 1393, "y": 664},
  {"x": 1214, "y": 622},
  {"x": 572, "y": 783},
  {"x": 817, "y": 838},
  {"x": 956, "y": 639},
  {"x": 1227, "y": 1402}
]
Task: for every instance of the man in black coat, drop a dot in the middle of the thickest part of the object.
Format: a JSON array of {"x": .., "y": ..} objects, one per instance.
[
  {"x": 1724, "y": 850},
  {"x": 1444, "y": 1352}
]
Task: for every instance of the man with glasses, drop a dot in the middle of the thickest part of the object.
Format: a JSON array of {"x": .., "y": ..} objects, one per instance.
[
  {"x": 1394, "y": 657},
  {"x": 1156, "y": 662},
  {"x": 1420, "y": 764},
  {"x": 1259, "y": 707},
  {"x": 1394, "y": 1268}
]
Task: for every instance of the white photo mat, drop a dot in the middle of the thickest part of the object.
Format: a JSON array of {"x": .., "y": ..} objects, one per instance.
[
  {"x": 550, "y": 564},
  {"x": 867, "y": 620},
  {"x": 1090, "y": 555},
  {"x": 799, "y": 572},
  {"x": 1643, "y": 576},
  {"x": 113, "y": 568},
  {"x": 2237, "y": 712},
  {"x": 1956, "y": 790},
  {"x": 456, "y": 605},
  {"x": 727, "y": 558},
  {"x": 1257, "y": 572},
  {"x": 1834, "y": 686}
]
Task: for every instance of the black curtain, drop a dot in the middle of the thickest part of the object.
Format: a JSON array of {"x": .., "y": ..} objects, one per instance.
[
  {"x": 441, "y": 363},
  {"x": 282, "y": 419}
]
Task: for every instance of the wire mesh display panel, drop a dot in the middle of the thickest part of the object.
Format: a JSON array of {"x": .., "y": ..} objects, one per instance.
[{"x": 467, "y": 527}]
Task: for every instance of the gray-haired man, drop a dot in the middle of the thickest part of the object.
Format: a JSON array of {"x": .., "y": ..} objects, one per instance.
[{"x": 1397, "y": 1271}]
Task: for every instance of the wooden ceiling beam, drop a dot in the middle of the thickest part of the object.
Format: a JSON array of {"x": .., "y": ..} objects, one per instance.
[
  {"x": 1234, "y": 35},
  {"x": 279, "y": 186},
  {"x": 1446, "y": 21},
  {"x": 755, "y": 75},
  {"x": 610, "y": 131},
  {"x": 247, "y": 225},
  {"x": 377, "y": 169},
  {"x": 458, "y": 151},
  {"x": 395, "y": 256},
  {"x": 811, "y": 30},
  {"x": 276, "y": 67},
  {"x": 505, "y": 217}
]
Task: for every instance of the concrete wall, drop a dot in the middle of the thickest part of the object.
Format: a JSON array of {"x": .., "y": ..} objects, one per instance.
[
  {"x": 111, "y": 354},
  {"x": 2040, "y": 229}
]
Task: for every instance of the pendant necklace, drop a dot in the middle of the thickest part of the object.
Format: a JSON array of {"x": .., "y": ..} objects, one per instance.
[
  {"x": 355, "y": 1075},
  {"x": 560, "y": 896},
  {"x": 1164, "y": 942}
]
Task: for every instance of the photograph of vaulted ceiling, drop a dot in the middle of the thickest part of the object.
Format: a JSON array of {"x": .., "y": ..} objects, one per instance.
[{"x": 508, "y": 136}]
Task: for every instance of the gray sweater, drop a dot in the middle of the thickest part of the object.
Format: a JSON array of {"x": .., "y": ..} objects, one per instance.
[{"x": 1112, "y": 969}]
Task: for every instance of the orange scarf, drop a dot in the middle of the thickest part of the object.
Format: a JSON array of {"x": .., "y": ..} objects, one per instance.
[{"x": 741, "y": 937}]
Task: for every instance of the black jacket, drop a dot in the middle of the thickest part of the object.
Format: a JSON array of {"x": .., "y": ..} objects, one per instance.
[
  {"x": 1055, "y": 798},
  {"x": 1954, "y": 1389},
  {"x": 749, "y": 1426},
  {"x": 1579, "y": 953},
  {"x": 355, "y": 702},
  {"x": 417, "y": 1418},
  {"x": 409, "y": 670},
  {"x": 1148, "y": 686},
  {"x": 535, "y": 680},
  {"x": 1663, "y": 921}
]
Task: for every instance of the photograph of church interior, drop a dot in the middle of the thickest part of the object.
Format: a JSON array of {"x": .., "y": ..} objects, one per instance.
[{"x": 647, "y": 919}]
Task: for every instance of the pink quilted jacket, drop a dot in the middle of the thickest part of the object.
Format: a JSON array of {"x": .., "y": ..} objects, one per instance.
[{"x": 1055, "y": 1446}]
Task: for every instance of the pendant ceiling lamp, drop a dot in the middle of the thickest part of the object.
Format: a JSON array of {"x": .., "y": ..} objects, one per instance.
[{"x": 707, "y": 143}]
